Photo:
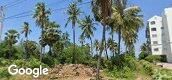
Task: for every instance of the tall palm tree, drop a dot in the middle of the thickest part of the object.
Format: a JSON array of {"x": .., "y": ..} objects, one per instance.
[
  {"x": 26, "y": 31},
  {"x": 97, "y": 46},
  {"x": 113, "y": 46},
  {"x": 11, "y": 39},
  {"x": 65, "y": 38},
  {"x": 127, "y": 21},
  {"x": 41, "y": 15},
  {"x": 87, "y": 27},
  {"x": 102, "y": 12},
  {"x": 73, "y": 12},
  {"x": 82, "y": 40}
]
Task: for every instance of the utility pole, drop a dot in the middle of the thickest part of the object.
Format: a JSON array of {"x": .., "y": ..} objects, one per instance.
[{"x": 1, "y": 21}]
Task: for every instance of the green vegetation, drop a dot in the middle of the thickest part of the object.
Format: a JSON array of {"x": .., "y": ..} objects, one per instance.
[{"x": 113, "y": 16}]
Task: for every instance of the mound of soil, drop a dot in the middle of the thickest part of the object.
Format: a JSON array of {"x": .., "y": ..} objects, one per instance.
[{"x": 72, "y": 72}]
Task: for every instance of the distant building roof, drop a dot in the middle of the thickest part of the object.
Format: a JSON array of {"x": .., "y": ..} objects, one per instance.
[{"x": 154, "y": 18}]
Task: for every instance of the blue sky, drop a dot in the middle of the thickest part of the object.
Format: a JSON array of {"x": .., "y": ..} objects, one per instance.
[{"x": 149, "y": 9}]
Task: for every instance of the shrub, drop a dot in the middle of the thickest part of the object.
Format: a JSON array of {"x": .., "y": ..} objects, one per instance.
[
  {"x": 82, "y": 55},
  {"x": 143, "y": 55},
  {"x": 4, "y": 62},
  {"x": 4, "y": 72},
  {"x": 50, "y": 61},
  {"x": 125, "y": 60},
  {"x": 122, "y": 74},
  {"x": 147, "y": 67},
  {"x": 20, "y": 63},
  {"x": 153, "y": 58},
  {"x": 35, "y": 63},
  {"x": 162, "y": 74}
]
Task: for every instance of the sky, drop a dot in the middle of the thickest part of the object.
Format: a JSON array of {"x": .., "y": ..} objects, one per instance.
[{"x": 14, "y": 7}]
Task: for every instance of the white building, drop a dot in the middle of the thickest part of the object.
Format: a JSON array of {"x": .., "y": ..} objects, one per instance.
[
  {"x": 167, "y": 33},
  {"x": 155, "y": 26},
  {"x": 160, "y": 33}
]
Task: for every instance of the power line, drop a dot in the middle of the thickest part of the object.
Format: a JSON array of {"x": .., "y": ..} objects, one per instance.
[
  {"x": 18, "y": 15},
  {"x": 9, "y": 3},
  {"x": 15, "y": 3},
  {"x": 26, "y": 12}
]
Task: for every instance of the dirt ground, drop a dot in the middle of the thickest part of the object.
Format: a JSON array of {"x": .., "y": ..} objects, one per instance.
[{"x": 71, "y": 72}]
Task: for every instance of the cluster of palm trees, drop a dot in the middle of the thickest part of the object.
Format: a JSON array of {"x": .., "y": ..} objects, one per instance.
[
  {"x": 115, "y": 16},
  {"x": 121, "y": 18}
]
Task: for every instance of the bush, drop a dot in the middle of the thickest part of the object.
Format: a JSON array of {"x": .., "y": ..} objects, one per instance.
[
  {"x": 147, "y": 67},
  {"x": 143, "y": 55},
  {"x": 122, "y": 74},
  {"x": 4, "y": 62},
  {"x": 82, "y": 55},
  {"x": 4, "y": 72},
  {"x": 50, "y": 61},
  {"x": 35, "y": 63},
  {"x": 162, "y": 74},
  {"x": 153, "y": 58},
  {"x": 20, "y": 63},
  {"x": 125, "y": 60}
]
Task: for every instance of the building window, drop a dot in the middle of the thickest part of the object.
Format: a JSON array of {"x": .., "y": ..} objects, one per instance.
[
  {"x": 155, "y": 42},
  {"x": 162, "y": 27},
  {"x": 156, "y": 49},
  {"x": 153, "y": 29},
  {"x": 153, "y": 22},
  {"x": 154, "y": 35}
]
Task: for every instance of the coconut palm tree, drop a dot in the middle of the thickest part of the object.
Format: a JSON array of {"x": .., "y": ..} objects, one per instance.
[
  {"x": 73, "y": 12},
  {"x": 102, "y": 11},
  {"x": 87, "y": 27},
  {"x": 112, "y": 45},
  {"x": 82, "y": 40},
  {"x": 65, "y": 38},
  {"x": 11, "y": 39},
  {"x": 26, "y": 31},
  {"x": 127, "y": 21},
  {"x": 97, "y": 46},
  {"x": 51, "y": 35},
  {"x": 41, "y": 15}
]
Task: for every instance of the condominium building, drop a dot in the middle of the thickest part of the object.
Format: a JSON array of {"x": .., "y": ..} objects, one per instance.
[
  {"x": 167, "y": 33},
  {"x": 155, "y": 32},
  {"x": 160, "y": 34}
]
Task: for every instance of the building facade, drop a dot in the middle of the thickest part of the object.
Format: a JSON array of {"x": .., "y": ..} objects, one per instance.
[
  {"x": 155, "y": 33},
  {"x": 160, "y": 34},
  {"x": 167, "y": 33}
]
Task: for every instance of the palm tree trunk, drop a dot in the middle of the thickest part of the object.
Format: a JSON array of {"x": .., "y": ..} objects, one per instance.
[
  {"x": 41, "y": 45},
  {"x": 107, "y": 57},
  {"x": 91, "y": 46},
  {"x": 27, "y": 55},
  {"x": 113, "y": 54},
  {"x": 119, "y": 40},
  {"x": 112, "y": 36},
  {"x": 100, "y": 54},
  {"x": 106, "y": 45},
  {"x": 73, "y": 59},
  {"x": 50, "y": 52},
  {"x": 10, "y": 51}
]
